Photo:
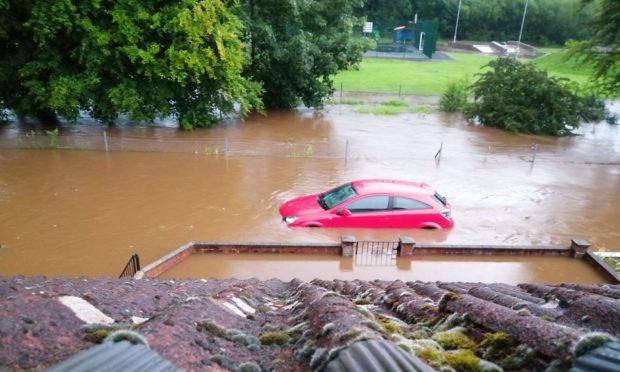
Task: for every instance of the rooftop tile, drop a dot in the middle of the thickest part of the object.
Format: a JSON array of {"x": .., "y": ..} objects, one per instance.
[{"x": 299, "y": 326}]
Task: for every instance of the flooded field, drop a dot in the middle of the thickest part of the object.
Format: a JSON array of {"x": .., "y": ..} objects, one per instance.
[{"x": 83, "y": 212}]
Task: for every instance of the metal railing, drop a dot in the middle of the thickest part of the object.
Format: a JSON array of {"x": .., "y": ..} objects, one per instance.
[
  {"x": 132, "y": 267},
  {"x": 376, "y": 253}
]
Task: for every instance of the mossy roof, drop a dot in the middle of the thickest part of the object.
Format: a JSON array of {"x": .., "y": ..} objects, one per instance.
[{"x": 298, "y": 326}]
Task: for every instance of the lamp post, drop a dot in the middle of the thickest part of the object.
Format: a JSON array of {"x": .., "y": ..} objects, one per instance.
[
  {"x": 456, "y": 27},
  {"x": 521, "y": 30}
]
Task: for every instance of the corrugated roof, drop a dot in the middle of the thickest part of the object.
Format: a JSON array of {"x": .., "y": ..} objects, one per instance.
[
  {"x": 122, "y": 356},
  {"x": 375, "y": 355},
  {"x": 605, "y": 358}
]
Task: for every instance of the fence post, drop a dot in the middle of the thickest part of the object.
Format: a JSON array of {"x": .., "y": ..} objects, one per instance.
[
  {"x": 579, "y": 248},
  {"x": 226, "y": 146},
  {"x": 438, "y": 153},
  {"x": 341, "y": 92},
  {"x": 406, "y": 246},
  {"x": 400, "y": 88},
  {"x": 347, "y": 245},
  {"x": 346, "y": 153},
  {"x": 534, "y": 149},
  {"x": 105, "y": 140}
]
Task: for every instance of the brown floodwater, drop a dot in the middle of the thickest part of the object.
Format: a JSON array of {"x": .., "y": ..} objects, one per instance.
[
  {"x": 485, "y": 269},
  {"x": 84, "y": 212}
]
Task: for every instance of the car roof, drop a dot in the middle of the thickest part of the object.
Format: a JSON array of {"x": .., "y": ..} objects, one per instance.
[{"x": 372, "y": 186}]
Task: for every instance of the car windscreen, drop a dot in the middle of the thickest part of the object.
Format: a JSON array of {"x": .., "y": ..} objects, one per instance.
[{"x": 336, "y": 196}]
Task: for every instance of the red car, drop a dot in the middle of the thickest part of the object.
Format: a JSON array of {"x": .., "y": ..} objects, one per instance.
[{"x": 371, "y": 203}]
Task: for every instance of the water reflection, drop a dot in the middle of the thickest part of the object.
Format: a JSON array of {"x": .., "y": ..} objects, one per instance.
[
  {"x": 72, "y": 212},
  {"x": 513, "y": 270}
]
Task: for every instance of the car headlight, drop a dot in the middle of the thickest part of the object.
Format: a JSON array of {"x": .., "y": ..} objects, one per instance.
[{"x": 289, "y": 220}]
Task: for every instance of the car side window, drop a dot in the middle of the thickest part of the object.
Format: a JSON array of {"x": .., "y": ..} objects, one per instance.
[
  {"x": 370, "y": 204},
  {"x": 406, "y": 203}
]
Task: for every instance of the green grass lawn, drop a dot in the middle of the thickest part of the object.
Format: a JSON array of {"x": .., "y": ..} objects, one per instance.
[
  {"x": 431, "y": 78},
  {"x": 557, "y": 63}
]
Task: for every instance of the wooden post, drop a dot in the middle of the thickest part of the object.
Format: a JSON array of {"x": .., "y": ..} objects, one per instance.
[{"x": 438, "y": 153}]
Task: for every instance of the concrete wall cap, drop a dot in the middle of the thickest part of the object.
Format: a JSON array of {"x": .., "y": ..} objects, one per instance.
[{"x": 348, "y": 239}]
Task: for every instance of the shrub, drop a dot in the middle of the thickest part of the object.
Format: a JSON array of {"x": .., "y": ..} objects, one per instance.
[
  {"x": 455, "y": 97},
  {"x": 522, "y": 99},
  {"x": 52, "y": 136}
]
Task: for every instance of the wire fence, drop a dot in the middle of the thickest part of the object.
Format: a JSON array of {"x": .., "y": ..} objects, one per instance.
[
  {"x": 333, "y": 149},
  {"x": 200, "y": 146}
]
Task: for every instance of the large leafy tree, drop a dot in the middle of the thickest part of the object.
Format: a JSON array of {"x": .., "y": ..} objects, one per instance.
[
  {"x": 297, "y": 45},
  {"x": 142, "y": 58},
  {"x": 520, "y": 98},
  {"x": 602, "y": 51}
]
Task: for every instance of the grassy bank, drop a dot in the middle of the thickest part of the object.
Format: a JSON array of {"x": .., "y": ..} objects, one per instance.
[
  {"x": 431, "y": 78},
  {"x": 557, "y": 63}
]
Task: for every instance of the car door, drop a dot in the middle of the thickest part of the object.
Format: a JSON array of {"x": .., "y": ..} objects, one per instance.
[
  {"x": 410, "y": 213},
  {"x": 367, "y": 211}
]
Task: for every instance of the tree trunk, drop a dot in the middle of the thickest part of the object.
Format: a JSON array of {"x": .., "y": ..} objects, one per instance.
[{"x": 47, "y": 119}]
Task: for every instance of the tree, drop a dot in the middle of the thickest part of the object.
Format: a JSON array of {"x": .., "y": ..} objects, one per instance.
[
  {"x": 549, "y": 22},
  {"x": 296, "y": 46},
  {"x": 602, "y": 51},
  {"x": 517, "y": 97},
  {"x": 143, "y": 58}
]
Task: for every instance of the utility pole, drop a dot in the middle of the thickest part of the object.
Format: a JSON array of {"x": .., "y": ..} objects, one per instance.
[
  {"x": 521, "y": 31},
  {"x": 456, "y": 27}
]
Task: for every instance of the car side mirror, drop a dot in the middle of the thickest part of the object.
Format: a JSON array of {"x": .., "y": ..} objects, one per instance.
[{"x": 344, "y": 213}]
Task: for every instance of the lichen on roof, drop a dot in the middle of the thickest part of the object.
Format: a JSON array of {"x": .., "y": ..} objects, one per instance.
[{"x": 299, "y": 326}]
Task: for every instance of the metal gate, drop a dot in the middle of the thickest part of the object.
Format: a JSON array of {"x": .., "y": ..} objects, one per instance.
[{"x": 376, "y": 253}]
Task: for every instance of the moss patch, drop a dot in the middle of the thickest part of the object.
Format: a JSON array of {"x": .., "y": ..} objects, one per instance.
[
  {"x": 454, "y": 339},
  {"x": 520, "y": 359},
  {"x": 211, "y": 326},
  {"x": 446, "y": 299},
  {"x": 431, "y": 356},
  {"x": 388, "y": 325},
  {"x": 97, "y": 336},
  {"x": 496, "y": 346},
  {"x": 96, "y": 333},
  {"x": 278, "y": 338},
  {"x": 462, "y": 360}
]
